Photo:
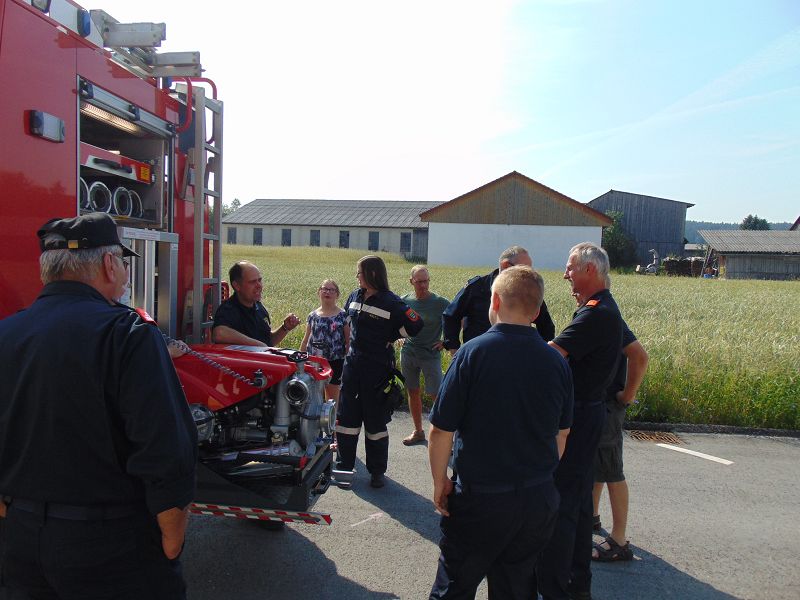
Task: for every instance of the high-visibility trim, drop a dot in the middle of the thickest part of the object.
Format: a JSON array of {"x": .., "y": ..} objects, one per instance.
[
  {"x": 376, "y": 436},
  {"x": 348, "y": 430},
  {"x": 403, "y": 332},
  {"x": 260, "y": 514},
  {"x": 373, "y": 310}
]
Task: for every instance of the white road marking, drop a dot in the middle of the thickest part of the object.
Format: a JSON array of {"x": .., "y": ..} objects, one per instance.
[
  {"x": 372, "y": 517},
  {"x": 698, "y": 454}
]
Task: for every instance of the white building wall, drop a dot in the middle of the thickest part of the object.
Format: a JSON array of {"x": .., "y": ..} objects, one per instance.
[{"x": 467, "y": 244}]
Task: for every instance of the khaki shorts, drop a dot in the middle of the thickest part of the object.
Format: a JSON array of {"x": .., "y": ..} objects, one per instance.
[
  {"x": 431, "y": 368},
  {"x": 608, "y": 465}
]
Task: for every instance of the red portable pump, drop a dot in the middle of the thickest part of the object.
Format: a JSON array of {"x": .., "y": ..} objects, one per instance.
[{"x": 93, "y": 118}]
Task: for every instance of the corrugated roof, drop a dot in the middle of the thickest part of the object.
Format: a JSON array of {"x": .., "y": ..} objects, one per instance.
[
  {"x": 752, "y": 242},
  {"x": 331, "y": 213},
  {"x": 595, "y": 215}
]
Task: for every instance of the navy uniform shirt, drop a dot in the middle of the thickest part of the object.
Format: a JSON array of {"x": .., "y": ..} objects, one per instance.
[
  {"x": 252, "y": 321},
  {"x": 507, "y": 393},
  {"x": 91, "y": 408},
  {"x": 471, "y": 303},
  {"x": 375, "y": 323},
  {"x": 593, "y": 341},
  {"x": 615, "y": 417}
]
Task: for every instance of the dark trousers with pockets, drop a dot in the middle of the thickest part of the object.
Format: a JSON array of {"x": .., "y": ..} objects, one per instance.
[
  {"x": 566, "y": 560},
  {"x": 497, "y": 536},
  {"x": 60, "y": 559},
  {"x": 362, "y": 401}
]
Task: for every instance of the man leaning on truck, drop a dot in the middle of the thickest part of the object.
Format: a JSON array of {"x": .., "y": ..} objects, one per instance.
[
  {"x": 97, "y": 445},
  {"x": 242, "y": 319}
]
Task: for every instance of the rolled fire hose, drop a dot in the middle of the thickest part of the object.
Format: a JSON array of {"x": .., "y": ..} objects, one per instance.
[
  {"x": 122, "y": 202},
  {"x": 84, "y": 193},
  {"x": 99, "y": 197},
  {"x": 137, "y": 208}
]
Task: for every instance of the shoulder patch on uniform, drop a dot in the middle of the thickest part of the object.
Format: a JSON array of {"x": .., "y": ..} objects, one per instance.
[
  {"x": 145, "y": 317},
  {"x": 593, "y": 303},
  {"x": 412, "y": 315}
]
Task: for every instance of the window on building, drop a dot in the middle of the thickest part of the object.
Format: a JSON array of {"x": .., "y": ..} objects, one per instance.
[
  {"x": 374, "y": 240},
  {"x": 344, "y": 239},
  {"x": 314, "y": 240},
  {"x": 258, "y": 236},
  {"x": 231, "y": 235},
  {"x": 286, "y": 237},
  {"x": 405, "y": 241}
]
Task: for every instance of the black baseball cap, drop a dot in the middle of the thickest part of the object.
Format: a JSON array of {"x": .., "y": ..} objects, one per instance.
[{"x": 87, "y": 231}]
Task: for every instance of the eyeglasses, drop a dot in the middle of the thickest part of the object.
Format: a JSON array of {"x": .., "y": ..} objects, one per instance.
[
  {"x": 420, "y": 281},
  {"x": 125, "y": 263},
  {"x": 329, "y": 290}
]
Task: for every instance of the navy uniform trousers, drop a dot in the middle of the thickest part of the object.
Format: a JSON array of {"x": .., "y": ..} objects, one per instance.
[
  {"x": 362, "y": 401},
  {"x": 494, "y": 535},
  {"x": 46, "y": 557},
  {"x": 566, "y": 561}
]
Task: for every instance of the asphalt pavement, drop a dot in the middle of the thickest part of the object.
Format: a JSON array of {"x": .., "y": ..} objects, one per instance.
[{"x": 700, "y": 529}]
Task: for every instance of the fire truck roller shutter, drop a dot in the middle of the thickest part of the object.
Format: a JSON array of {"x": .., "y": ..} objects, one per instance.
[
  {"x": 84, "y": 193},
  {"x": 99, "y": 197},
  {"x": 137, "y": 208},
  {"x": 122, "y": 202}
]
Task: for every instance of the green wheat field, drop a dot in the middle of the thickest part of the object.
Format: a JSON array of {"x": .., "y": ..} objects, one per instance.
[{"x": 721, "y": 352}]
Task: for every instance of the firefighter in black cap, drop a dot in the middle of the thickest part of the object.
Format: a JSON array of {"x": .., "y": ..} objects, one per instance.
[{"x": 97, "y": 445}]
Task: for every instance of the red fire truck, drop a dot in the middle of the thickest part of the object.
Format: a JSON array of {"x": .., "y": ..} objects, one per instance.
[{"x": 93, "y": 118}]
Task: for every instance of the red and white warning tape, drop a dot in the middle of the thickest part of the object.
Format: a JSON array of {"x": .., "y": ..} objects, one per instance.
[{"x": 242, "y": 512}]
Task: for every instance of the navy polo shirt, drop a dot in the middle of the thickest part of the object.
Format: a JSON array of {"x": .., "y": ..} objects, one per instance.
[
  {"x": 593, "y": 341},
  {"x": 252, "y": 321},
  {"x": 615, "y": 417},
  {"x": 507, "y": 393}
]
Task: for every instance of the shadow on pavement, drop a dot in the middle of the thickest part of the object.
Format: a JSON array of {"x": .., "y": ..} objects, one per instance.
[
  {"x": 405, "y": 506},
  {"x": 231, "y": 558},
  {"x": 649, "y": 576}
]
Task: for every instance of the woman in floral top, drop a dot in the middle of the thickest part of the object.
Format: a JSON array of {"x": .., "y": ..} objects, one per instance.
[{"x": 328, "y": 334}]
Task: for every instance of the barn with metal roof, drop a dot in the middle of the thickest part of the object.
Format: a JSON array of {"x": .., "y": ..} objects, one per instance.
[
  {"x": 373, "y": 225},
  {"x": 748, "y": 254},
  {"x": 652, "y": 223},
  {"x": 473, "y": 229}
]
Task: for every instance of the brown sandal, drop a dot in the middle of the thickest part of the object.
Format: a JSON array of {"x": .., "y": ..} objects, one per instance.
[{"x": 614, "y": 553}]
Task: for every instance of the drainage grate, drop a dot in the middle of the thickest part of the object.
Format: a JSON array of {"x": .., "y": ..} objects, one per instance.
[{"x": 655, "y": 436}]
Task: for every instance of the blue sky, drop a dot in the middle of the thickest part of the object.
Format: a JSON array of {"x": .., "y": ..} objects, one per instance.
[{"x": 696, "y": 101}]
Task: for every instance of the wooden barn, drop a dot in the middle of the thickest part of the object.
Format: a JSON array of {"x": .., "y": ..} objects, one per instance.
[
  {"x": 751, "y": 254},
  {"x": 653, "y": 223},
  {"x": 372, "y": 225},
  {"x": 473, "y": 229}
]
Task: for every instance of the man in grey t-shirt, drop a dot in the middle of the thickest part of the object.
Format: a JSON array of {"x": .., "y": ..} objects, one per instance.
[{"x": 423, "y": 352}]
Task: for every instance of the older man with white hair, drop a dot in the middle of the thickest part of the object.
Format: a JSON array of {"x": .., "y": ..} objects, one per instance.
[{"x": 592, "y": 344}]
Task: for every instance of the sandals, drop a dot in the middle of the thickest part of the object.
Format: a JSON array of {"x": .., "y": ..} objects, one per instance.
[
  {"x": 614, "y": 553},
  {"x": 596, "y": 525}
]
